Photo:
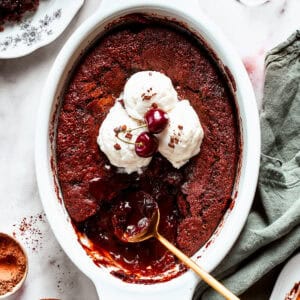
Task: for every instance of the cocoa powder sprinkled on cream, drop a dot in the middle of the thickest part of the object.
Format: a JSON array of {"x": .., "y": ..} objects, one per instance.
[
  {"x": 128, "y": 135},
  {"x": 117, "y": 146}
]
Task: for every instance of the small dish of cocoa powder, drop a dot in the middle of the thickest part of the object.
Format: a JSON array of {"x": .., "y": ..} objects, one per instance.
[{"x": 13, "y": 265}]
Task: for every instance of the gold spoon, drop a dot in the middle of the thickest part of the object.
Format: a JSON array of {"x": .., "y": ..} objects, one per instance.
[{"x": 152, "y": 231}]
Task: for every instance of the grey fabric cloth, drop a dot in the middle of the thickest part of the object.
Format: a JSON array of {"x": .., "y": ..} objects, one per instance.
[{"x": 272, "y": 231}]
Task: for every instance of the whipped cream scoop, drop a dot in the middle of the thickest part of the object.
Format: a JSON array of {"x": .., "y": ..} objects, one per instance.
[
  {"x": 120, "y": 154},
  {"x": 178, "y": 142},
  {"x": 145, "y": 88},
  {"x": 183, "y": 136}
]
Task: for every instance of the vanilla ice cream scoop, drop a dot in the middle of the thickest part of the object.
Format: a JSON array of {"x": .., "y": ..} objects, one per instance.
[
  {"x": 183, "y": 136},
  {"x": 145, "y": 88},
  {"x": 119, "y": 153}
]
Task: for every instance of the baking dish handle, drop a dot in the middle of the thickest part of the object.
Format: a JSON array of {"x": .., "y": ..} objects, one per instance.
[
  {"x": 109, "y": 292},
  {"x": 112, "y": 5}
]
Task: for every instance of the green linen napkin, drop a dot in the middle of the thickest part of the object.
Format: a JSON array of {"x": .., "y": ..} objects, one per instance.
[{"x": 272, "y": 230}]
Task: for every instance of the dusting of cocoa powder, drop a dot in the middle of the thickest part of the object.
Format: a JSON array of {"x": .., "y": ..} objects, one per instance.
[
  {"x": 28, "y": 230},
  {"x": 13, "y": 264}
]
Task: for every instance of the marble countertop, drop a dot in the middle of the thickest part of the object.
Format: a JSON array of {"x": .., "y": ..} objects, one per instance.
[{"x": 252, "y": 30}]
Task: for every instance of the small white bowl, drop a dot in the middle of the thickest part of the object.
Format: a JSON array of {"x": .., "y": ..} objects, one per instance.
[
  {"x": 21, "y": 282},
  {"x": 209, "y": 256},
  {"x": 288, "y": 277}
]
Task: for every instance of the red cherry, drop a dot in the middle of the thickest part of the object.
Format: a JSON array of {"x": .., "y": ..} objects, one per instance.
[
  {"x": 146, "y": 144},
  {"x": 156, "y": 120}
]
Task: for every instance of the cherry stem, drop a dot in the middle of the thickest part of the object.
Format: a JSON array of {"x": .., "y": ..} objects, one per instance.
[
  {"x": 128, "y": 131},
  {"x": 142, "y": 126},
  {"x": 128, "y": 142}
]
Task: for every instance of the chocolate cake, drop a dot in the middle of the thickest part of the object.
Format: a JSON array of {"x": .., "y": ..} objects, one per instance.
[
  {"x": 14, "y": 10},
  {"x": 192, "y": 199}
]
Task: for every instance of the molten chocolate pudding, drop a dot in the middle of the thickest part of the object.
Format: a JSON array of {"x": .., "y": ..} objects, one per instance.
[{"x": 192, "y": 198}]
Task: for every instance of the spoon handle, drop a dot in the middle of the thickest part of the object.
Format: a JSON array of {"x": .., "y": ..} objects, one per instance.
[{"x": 215, "y": 284}]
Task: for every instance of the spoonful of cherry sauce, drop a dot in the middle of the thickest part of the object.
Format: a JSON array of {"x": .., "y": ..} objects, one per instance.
[{"x": 137, "y": 219}]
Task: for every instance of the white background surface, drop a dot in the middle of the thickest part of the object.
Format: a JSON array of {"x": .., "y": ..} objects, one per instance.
[{"x": 253, "y": 31}]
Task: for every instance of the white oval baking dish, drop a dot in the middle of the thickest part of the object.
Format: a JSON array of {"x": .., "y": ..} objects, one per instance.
[{"x": 188, "y": 13}]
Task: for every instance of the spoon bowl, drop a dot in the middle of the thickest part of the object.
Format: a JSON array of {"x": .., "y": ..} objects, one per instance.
[{"x": 146, "y": 232}]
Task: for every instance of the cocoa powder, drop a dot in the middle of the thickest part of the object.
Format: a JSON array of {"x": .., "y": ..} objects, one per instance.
[
  {"x": 29, "y": 232},
  {"x": 13, "y": 264}
]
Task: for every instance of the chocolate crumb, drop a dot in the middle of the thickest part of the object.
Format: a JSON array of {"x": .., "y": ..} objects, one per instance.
[
  {"x": 180, "y": 127},
  {"x": 117, "y": 146},
  {"x": 147, "y": 97},
  {"x": 12, "y": 264},
  {"x": 121, "y": 101},
  {"x": 171, "y": 145},
  {"x": 117, "y": 129},
  {"x": 128, "y": 135},
  {"x": 154, "y": 105}
]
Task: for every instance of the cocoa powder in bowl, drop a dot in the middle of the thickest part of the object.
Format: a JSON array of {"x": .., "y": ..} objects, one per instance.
[{"x": 13, "y": 264}]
